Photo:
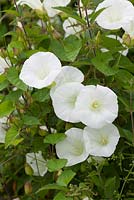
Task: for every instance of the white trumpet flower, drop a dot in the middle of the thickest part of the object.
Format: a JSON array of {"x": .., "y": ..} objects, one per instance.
[
  {"x": 40, "y": 70},
  {"x": 101, "y": 142},
  {"x": 37, "y": 163},
  {"x": 64, "y": 100},
  {"x": 96, "y": 106},
  {"x": 68, "y": 74},
  {"x": 115, "y": 14},
  {"x": 73, "y": 147}
]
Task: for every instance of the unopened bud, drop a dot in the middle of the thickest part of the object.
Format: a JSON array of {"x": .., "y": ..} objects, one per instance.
[
  {"x": 28, "y": 169},
  {"x": 98, "y": 38},
  {"x": 126, "y": 39},
  {"x": 68, "y": 126},
  {"x": 28, "y": 188}
]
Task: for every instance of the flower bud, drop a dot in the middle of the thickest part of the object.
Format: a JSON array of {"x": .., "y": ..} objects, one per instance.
[
  {"x": 126, "y": 39},
  {"x": 28, "y": 188},
  {"x": 28, "y": 169}
]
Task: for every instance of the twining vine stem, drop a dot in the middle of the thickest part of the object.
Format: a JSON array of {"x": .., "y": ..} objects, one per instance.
[{"x": 22, "y": 24}]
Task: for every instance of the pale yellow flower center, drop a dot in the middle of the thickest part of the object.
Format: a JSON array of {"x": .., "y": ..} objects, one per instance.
[
  {"x": 95, "y": 105},
  {"x": 104, "y": 140}
]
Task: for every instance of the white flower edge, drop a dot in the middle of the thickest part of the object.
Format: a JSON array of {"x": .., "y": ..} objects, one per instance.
[
  {"x": 40, "y": 70},
  {"x": 73, "y": 147},
  {"x": 110, "y": 18},
  {"x": 64, "y": 99},
  {"x": 128, "y": 27},
  {"x": 50, "y": 4},
  {"x": 37, "y": 163},
  {"x": 101, "y": 142},
  {"x": 68, "y": 74},
  {"x": 34, "y": 4},
  {"x": 96, "y": 106}
]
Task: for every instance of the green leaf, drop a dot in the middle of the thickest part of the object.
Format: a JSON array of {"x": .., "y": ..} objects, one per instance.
[
  {"x": 110, "y": 187},
  {"x": 3, "y": 82},
  {"x": 68, "y": 49},
  {"x": 127, "y": 79},
  {"x": 126, "y": 134},
  {"x": 85, "y": 2},
  {"x": 54, "y": 138},
  {"x": 94, "y": 15},
  {"x": 61, "y": 196},
  {"x": 41, "y": 95},
  {"x": 101, "y": 63},
  {"x": 125, "y": 63},
  {"x": 14, "y": 95},
  {"x": 71, "y": 13},
  {"x": 56, "y": 164},
  {"x": 6, "y": 108},
  {"x": 111, "y": 44},
  {"x": 52, "y": 187},
  {"x": 12, "y": 137},
  {"x": 12, "y": 12},
  {"x": 13, "y": 77},
  {"x": 30, "y": 120},
  {"x": 65, "y": 177}
]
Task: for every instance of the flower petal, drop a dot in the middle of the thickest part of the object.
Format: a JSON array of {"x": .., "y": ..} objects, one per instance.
[
  {"x": 40, "y": 70},
  {"x": 73, "y": 147},
  {"x": 37, "y": 162},
  {"x": 64, "y": 99},
  {"x": 68, "y": 74},
  {"x": 101, "y": 142},
  {"x": 96, "y": 106}
]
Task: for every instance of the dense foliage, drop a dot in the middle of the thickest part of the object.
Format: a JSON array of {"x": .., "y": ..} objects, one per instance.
[{"x": 29, "y": 118}]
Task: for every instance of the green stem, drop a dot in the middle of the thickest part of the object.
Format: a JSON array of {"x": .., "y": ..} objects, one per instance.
[{"x": 125, "y": 181}]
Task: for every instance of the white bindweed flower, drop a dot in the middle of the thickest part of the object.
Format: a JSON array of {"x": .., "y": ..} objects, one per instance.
[
  {"x": 73, "y": 147},
  {"x": 68, "y": 74},
  {"x": 37, "y": 163},
  {"x": 4, "y": 63},
  {"x": 115, "y": 14},
  {"x": 101, "y": 142},
  {"x": 64, "y": 99},
  {"x": 50, "y": 4},
  {"x": 124, "y": 52},
  {"x": 71, "y": 27},
  {"x": 40, "y": 70},
  {"x": 96, "y": 106},
  {"x": 34, "y": 4},
  {"x": 129, "y": 27}
]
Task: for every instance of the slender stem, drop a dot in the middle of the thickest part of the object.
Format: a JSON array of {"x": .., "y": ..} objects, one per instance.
[
  {"x": 131, "y": 115},
  {"x": 125, "y": 181},
  {"x": 89, "y": 29},
  {"x": 17, "y": 9},
  {"x": 79, "y": 8},
  {"x": 91, "y": 37}
]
